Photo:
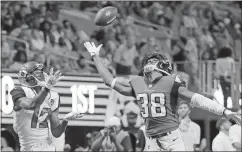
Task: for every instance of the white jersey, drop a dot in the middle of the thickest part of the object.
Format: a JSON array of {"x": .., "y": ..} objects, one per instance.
[{"x": 32, "y": 126}]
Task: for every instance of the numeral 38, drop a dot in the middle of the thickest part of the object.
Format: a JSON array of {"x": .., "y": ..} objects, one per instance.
[{"x": 152, "y": 105}]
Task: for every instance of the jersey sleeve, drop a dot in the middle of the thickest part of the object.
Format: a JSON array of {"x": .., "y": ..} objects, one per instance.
[
  {"x": 17, "y": 93},
  {"x": 131, "y": 79},
  {"x": 55, "y": 102}
]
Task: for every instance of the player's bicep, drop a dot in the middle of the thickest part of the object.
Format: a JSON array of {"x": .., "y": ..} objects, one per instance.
[{"x": 185, "y": 94}]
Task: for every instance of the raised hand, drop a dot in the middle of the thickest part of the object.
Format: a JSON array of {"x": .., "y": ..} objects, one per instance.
[
  {"x": 92, "y": 49},
  {"x": 73, "y": 115},
  {"x": 51, "y": 79}
]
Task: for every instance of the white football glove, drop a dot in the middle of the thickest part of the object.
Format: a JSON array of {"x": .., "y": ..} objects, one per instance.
[
  {"x": 51, "y": 79},
  {"x": 73, "y": 115},
  {"x": 92, "y": 49}
]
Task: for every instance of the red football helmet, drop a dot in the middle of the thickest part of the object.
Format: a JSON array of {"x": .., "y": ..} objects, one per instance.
[
  {"x": 163, "y": 65},
  {"x": 30, "y": 73}
]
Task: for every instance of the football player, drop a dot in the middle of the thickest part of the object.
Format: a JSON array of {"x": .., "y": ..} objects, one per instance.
[
  {"x": 157, "y": 93},
  {"x": 36, "y": 108}
]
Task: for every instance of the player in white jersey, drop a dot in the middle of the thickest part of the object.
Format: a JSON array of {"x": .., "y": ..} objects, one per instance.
[{"x": 36, "y": 108}]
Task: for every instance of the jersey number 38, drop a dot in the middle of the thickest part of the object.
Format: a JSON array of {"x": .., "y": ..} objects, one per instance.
[{"x": 152, "y": 105}]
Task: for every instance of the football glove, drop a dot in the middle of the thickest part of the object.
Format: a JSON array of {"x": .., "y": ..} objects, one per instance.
[
  {"x": 51, "y": 79},
  {"x": 73, "y": 115},
  {"x": 92, "y": 49}
]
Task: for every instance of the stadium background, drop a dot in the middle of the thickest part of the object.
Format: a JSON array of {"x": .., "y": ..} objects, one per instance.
[{"x": 53, "y": 33}]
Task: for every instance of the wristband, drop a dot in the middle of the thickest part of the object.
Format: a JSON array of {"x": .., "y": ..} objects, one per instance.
[{"x": 113, "y": 83}]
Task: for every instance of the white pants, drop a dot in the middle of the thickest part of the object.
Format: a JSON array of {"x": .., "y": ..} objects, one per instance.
[{"x": 171, "y": 142}]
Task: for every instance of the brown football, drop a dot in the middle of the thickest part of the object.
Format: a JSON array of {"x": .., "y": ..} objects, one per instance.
[{"x": 106, "y": 16}]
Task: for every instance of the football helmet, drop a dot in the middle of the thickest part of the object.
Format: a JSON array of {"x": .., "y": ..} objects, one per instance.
[
  {"x": 161, "y": 65},
  {"x": 30, "y": 72}
]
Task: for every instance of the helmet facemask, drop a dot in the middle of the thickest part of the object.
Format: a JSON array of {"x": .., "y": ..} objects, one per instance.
[
  {"x": 156, "y": 62},
  {"x": 29, "y": 78}
]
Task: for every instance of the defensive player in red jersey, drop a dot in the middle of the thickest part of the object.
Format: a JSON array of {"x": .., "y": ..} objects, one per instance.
[
  {"x": 36, "y": 108},
  {"x": 157, "y": 93}
]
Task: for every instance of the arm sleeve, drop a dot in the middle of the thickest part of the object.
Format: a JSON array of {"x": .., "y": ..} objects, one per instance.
[
  {"x": 207, "y": 104},
  {"x": 17, "y": 93}
]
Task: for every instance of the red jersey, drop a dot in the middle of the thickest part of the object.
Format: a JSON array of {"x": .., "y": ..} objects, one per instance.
[{"x": 158, "y": 102}]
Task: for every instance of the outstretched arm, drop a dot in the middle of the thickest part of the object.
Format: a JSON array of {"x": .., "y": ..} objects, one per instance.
[
  {"x": 120, "y": 85},
  {"x": 57, "y": 126},
  {"x": 205, "y": 103}
]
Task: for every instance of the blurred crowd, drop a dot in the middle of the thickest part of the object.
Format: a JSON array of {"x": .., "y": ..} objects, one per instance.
[
  {"x": 41, "y": 37},
  {"x": 195, "y": 31}
]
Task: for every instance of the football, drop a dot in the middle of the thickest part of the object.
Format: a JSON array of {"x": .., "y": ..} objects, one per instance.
[{"x": 106, "y": 16}]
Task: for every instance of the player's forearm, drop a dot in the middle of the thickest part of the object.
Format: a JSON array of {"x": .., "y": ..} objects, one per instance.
[
  {"x": 103, "y": 71},
  {"x": 57, "y": 131},
  {"x": 38, "y": 99},
  {"x": 205, "y": 103}
]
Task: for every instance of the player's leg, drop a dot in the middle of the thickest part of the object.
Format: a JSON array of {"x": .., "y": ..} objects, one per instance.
[{"x": 171, "y": 142}]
